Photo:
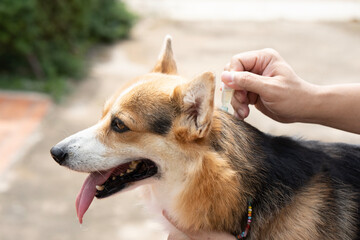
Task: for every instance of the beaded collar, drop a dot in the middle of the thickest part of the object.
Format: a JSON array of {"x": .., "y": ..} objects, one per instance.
[{"x": 247, "y": 228}]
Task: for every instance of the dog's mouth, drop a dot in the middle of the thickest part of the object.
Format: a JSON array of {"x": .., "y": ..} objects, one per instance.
[
  {"x": 103, "y": 184},
  {"x": 124, "y": 174}
]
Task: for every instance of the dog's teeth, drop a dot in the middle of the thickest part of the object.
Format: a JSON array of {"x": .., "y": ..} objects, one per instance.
[
  {"x": 133, "y": 165},
  {"x": 113, "y": 178},
  {"x": 121, "y": 174},
  {"x": 129, "y": 171},
  {"x": 100, "y": 188}
]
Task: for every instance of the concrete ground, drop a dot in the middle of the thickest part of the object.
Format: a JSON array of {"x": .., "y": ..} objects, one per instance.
[
  {"x": 254, "y": 10},
  {"x": 37, "y": 198}
]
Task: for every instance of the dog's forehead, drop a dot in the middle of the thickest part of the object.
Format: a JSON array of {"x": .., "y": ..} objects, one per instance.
[{"x": 149, "y": 90}]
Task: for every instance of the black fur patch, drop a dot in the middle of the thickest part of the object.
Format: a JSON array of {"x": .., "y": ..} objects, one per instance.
[
  {"x": 283, "y": 167},
  {"x": 153, "y": 107},
  {"x": 161, "y": 124}
]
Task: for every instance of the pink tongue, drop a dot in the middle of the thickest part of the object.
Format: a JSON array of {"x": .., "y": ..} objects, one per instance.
[{"x": 88, "y": 191}]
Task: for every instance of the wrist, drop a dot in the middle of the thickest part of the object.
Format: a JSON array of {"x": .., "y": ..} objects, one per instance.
[
  {"x": 325, "y": 105},
  {"x": 314, "y": 101}
]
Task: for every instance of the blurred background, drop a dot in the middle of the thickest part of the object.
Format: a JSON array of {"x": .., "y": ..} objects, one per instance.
[{"x": 60, "y": 61}]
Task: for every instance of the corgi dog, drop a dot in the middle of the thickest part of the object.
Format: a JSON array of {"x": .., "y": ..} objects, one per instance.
[{"x": 209, "y": 170}]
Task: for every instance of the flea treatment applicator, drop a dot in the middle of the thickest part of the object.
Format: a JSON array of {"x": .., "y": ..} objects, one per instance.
[{"x": 226, "y": 95}]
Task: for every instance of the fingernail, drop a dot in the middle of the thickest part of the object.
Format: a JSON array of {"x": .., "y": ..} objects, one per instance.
[{"x": 227, "y": 77}]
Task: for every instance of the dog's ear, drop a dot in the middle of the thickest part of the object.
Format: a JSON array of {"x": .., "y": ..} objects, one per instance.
[
  {"x": 196, "y": 103},
  {"x": 166, "y": 63}
]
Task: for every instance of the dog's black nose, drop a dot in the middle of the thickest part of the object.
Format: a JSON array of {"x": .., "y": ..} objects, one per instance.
[{"x": 58, "y": 154}]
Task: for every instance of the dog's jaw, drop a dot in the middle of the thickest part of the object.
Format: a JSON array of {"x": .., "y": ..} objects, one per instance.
[{"x": 86, "y": 153}]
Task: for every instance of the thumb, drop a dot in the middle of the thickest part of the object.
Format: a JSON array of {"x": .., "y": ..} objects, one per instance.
[{"x": 244, "y": 81}]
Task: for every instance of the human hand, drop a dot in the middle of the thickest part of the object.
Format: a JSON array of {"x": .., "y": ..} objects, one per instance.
[
  {"x": 199, "y": 235},
  {"x": 264, "y": 79}
]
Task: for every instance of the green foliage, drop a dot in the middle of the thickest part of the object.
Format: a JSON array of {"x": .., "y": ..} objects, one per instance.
[{"x": 43, "y": 43}]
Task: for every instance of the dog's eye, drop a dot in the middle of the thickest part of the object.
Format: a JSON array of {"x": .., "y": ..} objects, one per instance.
[{"x": 119, "y": 126}]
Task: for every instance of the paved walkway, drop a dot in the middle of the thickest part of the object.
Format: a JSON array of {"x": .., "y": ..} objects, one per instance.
[
  {"x": 20, "y": 115},
  {"x": 38, "y": 197}
]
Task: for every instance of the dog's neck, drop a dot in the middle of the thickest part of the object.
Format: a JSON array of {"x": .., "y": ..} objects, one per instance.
[{"x": 215, "y": 196}]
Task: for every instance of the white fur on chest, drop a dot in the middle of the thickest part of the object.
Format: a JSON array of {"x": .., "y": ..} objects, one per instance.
[{"x": 161, "y": 198}]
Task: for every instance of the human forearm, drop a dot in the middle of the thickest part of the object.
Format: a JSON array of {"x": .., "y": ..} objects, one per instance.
[{"x": 336, "y": 106}]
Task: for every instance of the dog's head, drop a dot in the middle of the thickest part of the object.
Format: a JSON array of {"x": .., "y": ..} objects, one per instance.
[{"x": 147, "y": 130}]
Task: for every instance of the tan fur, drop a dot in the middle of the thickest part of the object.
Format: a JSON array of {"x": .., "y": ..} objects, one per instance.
[
  {"x": 210, "y": 196},
  {"x": 299, "y": 218}
]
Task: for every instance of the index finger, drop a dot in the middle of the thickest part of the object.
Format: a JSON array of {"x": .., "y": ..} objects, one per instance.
[{"x": 253, "y": 61}]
